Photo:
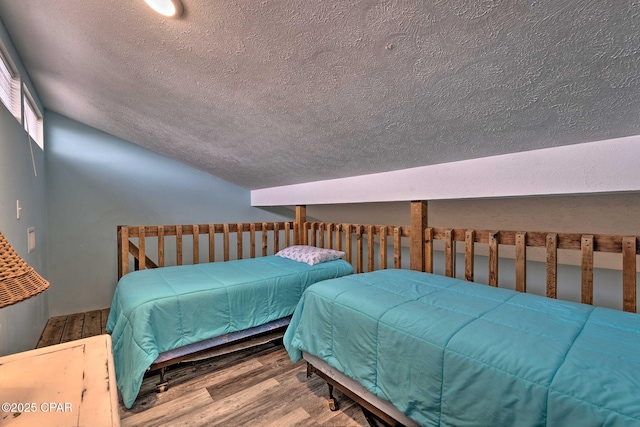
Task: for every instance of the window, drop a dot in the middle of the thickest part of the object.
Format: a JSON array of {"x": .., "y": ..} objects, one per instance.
[
  {"x": 9, "y": 84},
  {"x": 32, "y": 118}
]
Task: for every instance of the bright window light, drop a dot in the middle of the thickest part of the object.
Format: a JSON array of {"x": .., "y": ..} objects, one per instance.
[
  {"x": 166, "y": 7},
  {"x": 32, "y": 119},
  {"x": 9, "y": 84}
]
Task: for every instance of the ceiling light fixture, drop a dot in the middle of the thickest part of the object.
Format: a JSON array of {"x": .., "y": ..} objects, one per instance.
[{"x": 171, "y": 8}]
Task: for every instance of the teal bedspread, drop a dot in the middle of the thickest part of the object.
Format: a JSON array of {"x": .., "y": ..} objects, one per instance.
[
  {"x": 162, "y": 309},
  {"x": 452, "y": 353}
]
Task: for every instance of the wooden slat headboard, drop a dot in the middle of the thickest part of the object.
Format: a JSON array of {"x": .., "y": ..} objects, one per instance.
[
  {"x": 587, "y": 244},
  {"x": 366, "y": 247},
  {"x": 126, "y": 247}
]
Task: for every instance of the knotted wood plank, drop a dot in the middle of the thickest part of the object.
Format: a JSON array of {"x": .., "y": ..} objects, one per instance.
[
  {"x": 196, "y": 243},
  {"x": 469, "y": 254},
  {"x": 383, "y": 248},
  {"x": 397, "y": 247},
  {"x": 629, "y": 274},
  {"x": 178, "y": 245},
  {"x": 587, "y": 269},
  {"x": 370, "y": 248},
  {"x": 449, "y": 254},
  {"x": 552, "y": 265},
  {"x": 428, "y": 250},
  {"x": 141, "y": 248},
  {"x": 521, "y": 262},
  {"x": 161, "y": 246},
  {"x": 211, "y": 232},
  {"x": 493, "y": 258}
]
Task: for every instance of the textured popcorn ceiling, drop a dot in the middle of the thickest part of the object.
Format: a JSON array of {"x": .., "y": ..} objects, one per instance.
[{"x": 266, "y": 93}]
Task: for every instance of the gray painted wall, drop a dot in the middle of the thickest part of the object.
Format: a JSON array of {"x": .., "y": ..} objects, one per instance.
[
  {"x": 21, "y": 324},
  {"x": 95, "y": 182}
]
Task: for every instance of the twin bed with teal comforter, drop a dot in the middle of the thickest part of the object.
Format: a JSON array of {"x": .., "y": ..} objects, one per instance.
[
  {"x": 157, "y": 310},
  {"x": 451, "y": 353}
]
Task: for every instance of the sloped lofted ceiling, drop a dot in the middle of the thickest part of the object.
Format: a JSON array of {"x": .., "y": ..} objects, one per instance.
[{"x": 268, "y": 93}]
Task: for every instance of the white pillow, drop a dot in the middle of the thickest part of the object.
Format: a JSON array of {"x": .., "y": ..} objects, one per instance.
[{"x": 310, "y": 254}]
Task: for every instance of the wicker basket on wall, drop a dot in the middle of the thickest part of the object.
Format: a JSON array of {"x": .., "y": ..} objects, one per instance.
[{"x": 18, "y": 281}]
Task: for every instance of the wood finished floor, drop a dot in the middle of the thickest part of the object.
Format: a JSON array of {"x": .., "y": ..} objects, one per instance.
[{"x": 258, "y": 386}]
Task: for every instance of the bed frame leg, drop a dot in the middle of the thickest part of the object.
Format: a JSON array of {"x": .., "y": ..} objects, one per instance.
[
  {"x": 333, "y": 405},
  {"x": 309, "y": 370},
  {"x": 163, "y": 385}
]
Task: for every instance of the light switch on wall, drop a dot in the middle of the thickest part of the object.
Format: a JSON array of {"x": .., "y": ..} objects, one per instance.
[
  {"x": 31, "y": 238},
  {"x": 18, "y": 209}
]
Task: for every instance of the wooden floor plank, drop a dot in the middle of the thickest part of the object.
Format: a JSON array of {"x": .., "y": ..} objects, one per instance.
[
  {"x": 314, "y": 398},
  {"x": 186, "y": 372},
  {"x": 92, "y": 324},
  {"x": 295, "y": 393},
  {"x": 275, "y": 410},
  {"x": 264, "y": 408},
  {"x": 104, "y": 315},
  {"x": 52, "y": 333},
  {"x": 170, "y": 411},
  {"x": 151, "y": 398},
  {"x": 292, "y": 418},
  {"x": 73, "y": 327},
  {"x": 233, "y": 409},
  {"x": 254, "y": 386},
  {"x": 269, "y": 370},
  {"x": 347, "y": 417}
]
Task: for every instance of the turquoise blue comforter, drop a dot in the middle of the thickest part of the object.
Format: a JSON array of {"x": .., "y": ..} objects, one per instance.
[
  {"x": 161, "y": 309},
  {"x": 451, "y": 353}
]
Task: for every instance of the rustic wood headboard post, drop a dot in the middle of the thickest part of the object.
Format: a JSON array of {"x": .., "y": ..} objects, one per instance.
[
  {"x": 418, "y": 225},
  {"x": 119, "y": 240},
  {"x": 629, "y": 251},
  {"x": 301, "y": 218},
  {"x": 123, "y": 251}
]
